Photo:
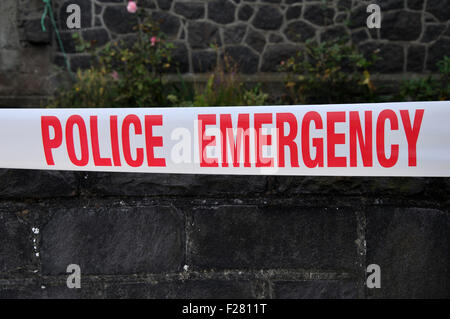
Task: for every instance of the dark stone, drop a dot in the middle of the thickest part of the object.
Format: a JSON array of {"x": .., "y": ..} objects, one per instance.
[
  {"x": 268, "y": 18},
  {"x": 344, "y": 4},
  {"x": 415, "y": 4},
  {"x": 98, "y": 37},
  {"x": 164, "y": 4},
  {"x": 113, "y": 240},
  {"x": 190, "y": 10},
  {"x": 358, "y": 17},
  {"x": 86, "y": 14},
  {"x": 221, "y": 11},
  {"x": 201, "y": 35},
  {"x": 293, "y": 1},
  {"x": 234, "y": 34},
  {"x": 440, "y": 9},
  {"x": 316, "y": 289},
  {"x": 34, "y": 34},
  {"x": 245, "y": 13},
  {"x": 436, "y": 52},
  {"x": 319, "y": 14},
  {"x": 255, "y": 40},
  {"x": 275, "y": 38},
  {"x": 81, "y": 62},
  {"x": 341, "y": 17},
  {"x": 187, "y": 289},
  {"x": 29, "y": 183},
  {"x": 293, "y": 12},
  {"x": 168, "y": 23},
  {"x": 391, "y": 56},
  {"x": 131, "y": 184},
  {"x": 180, "y": 58},
  {"x": 432, "y": 32},
  {"x": 260, "y": 238},
  {"x": 299, "y": 31},
  {"x": 336, "y": 33},
  {"x": 16, "y": 250},
  {"x": 274, "y": 54},
  {"x": 401, "y": 25},
  {"x": 246, "y": 60},
  {"x": 411, "y": 247},
  {"x": 148, "y": 4},
  {"x": 386, "y": 5},
  {"x": 416, "y": 58},
  {"x": 68, "y": 42},
  {"x": 360, "y": 36},
  {"x": 118, "y": 20},
  {"x": 204, "y": 61}
]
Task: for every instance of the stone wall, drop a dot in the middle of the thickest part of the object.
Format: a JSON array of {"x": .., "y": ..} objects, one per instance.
[
  {"x": 258, "y": 34},
  {"x": 205, "y": 236}
]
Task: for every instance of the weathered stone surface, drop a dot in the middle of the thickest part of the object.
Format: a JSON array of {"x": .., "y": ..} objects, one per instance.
[
  {"x": 33, "y": 32},
  {"x": 415, "y": 4},
  {"x": 255, "y": 40},
  {"x": 37, "y": 183},
  {"x": 16, "y": 249},
  {"x": 246, "y": 60},
  {"x": 201, "y": 35},
  {"x": 360, "y": 36},
  {"x": 195, "y": 10},
  {"x": 268, "y": 18},
  {"x": 432, "y": 32},
  {"x": 437, "y": 52},
  {"x": 131, "y": 184},
  {"x": 245, "y": 13},
  {"x": 416, "y": 58},
  {"x": 118, "y": 20},
  {"x": 319, "y": 14},
  {"x": 189, "y": 289},
  {"x": 168, "y": 23},
  {"x": 332, "y": 34},
  {"x": 316, "y": 289},
  {"x": 293, "y": 12},
  {"x": 180, "y": 58},
  {"x": 98, "y": 37},
  {"x": 401, "y": 25},
  {"x": 274, "y": 54},
  {"x": 260, "y": 238},
  {"x": 204, "y": 61},
  {"x": 164, "y": 4},
  {"x": 344, "y": 4},
  {"x": 411, "y": 246},
  {"x": 82, "y": 62},
  {"x": 439, "y": 8},
  {"x": 299, "y": 31},
  {"x": 235, "y": 34},
  {"x": 113, "y": 240},
  {"x": 221, "y": 11},
  {"x": 392, "y": 56}
]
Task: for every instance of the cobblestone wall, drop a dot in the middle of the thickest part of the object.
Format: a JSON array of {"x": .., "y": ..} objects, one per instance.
[{"x": 258, "y": 34}]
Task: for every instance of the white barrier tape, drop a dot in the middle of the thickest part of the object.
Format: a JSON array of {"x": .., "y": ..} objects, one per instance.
[{"x": 389, "y": 139}]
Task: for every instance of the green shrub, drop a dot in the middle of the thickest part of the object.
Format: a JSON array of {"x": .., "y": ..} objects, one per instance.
[
  {"x": 124, "y": 74},
  {"x": 429, "y": 88},
  {"x": 224, "y": 88},
  {"x": 330, "y": 72}
]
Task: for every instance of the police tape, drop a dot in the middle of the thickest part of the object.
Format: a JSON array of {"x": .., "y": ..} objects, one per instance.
[{"x": 386, "y": 139}]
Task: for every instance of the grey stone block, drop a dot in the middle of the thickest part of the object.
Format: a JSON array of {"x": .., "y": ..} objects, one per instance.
[
  {"x": 106, "y": 240},
  {"x": 412, "y": 248},
  {"x": 228, "y": 237},
  {"x": 37, "y": 183},
  {"x": 316, "y": 289}
]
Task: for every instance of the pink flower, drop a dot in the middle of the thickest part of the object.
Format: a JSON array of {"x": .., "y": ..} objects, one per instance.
[
  {"x": 153, "y": 40},
  {"x": 132, "y": 7},
  {"x": 115, "y": 75}
]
